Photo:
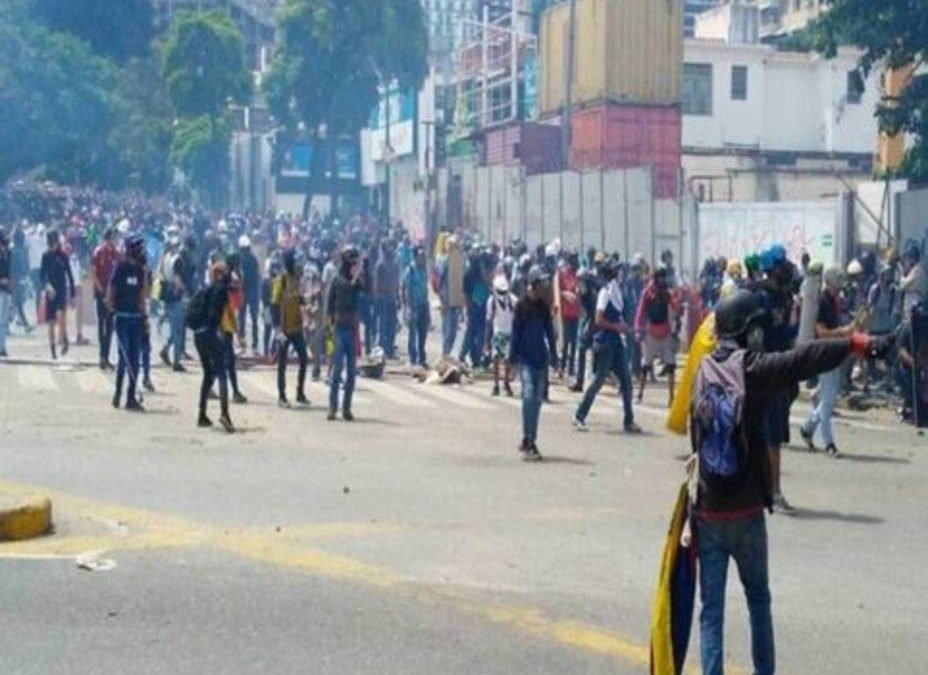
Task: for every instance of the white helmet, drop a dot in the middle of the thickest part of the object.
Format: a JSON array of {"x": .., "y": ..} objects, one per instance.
[
  {"x": 244, "y": 241},
  {"x": 501, "y": 284}
]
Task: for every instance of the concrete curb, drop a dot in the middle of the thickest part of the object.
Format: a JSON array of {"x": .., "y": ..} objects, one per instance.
[{"x": 24, "y": 517}]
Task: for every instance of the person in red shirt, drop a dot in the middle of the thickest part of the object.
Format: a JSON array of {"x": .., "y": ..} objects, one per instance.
[
  {"x": 102, "y": 264},
  {"x": 570, "y": 311},
  {"x": 654, "y": 328}
]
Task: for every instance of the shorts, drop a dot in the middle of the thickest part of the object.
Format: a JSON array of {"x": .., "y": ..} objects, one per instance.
[
  {"x": 55, "y": 306},
  {"x": 776, "y": 420},
  {"x": 500, "y": 344},
  {"x": 664, "y": 349}
]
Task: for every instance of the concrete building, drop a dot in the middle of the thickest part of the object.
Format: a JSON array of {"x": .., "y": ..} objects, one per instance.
[
  {"x": 764, "y": 125},
  {"x": 692, "y": 9},
  {"x": 781, "y": 17},
  {"x": 446, "y": 22}
]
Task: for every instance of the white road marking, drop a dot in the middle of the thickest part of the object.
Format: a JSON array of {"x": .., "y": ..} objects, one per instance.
[
  {"x": 259, "y": 383},
  {"x": 397, "y": 395},
  {"x": 455, "y": 397},
  {"x": 94, "y": 382}
]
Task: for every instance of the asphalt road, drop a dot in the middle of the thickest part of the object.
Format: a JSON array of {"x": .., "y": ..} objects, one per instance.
[{"x": 415, "y": 541}]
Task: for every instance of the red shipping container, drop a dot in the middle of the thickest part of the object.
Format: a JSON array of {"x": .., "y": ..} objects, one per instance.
[
  {"x": 536, "y": 146},
  {"x": 614, "y": 136}
]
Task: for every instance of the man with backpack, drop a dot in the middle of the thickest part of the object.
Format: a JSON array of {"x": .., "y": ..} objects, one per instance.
[
  {"x": 734, "y": 387},
  {"x": 204, "y": 316}
]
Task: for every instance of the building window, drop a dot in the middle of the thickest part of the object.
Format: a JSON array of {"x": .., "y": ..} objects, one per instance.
[
  {"x": 855, "y": 88},
  {"x": 739, "y": 83},
  {"x": 697, "y": 89}
]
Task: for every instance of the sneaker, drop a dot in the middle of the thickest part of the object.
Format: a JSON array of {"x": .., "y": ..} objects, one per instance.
[
  {"x": 238, "y": 397},
  {"x": 226, "y": 423},
  {"x": 832, "y": 451},
  {"x": 532, "y": 454},
  {"x": 496, "y": 390},
  {"x": 282, "y": 402},
  {"x": 65, "y": 346},
  {"x": 134, "y": 406},
  {"x": 148, "y": 386},
  {"x": 632, "y": 428},
  {"x": 178, "y": 368},
  {"x": 204, "y": 422},
  {"x": 347, "y": 416},
  {"x": 301, "y": 399},
  {"x": 576, "y": 388},
  {"x": 116, "y": 401},
  {"x": 509, "y": 392},
  {"x": 580, "y": 425},
  {"x": 808, "y": 438},
  {"x": 165, "y": 359},
  {"x": 781, "y": 506},
  {"x": 331, "y": 416}
]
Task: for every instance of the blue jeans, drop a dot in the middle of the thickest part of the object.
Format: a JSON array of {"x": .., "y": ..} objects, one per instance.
[
  {"x": 474, "y": 335},
  {"x": 821, "y": 414},
  {"x": 177, "y": 315},
  {"x": 5, "y": 302},
  {"x": 419, "y": 321},
  {"x": 344, "y": 356},
  {"x": 369, "y": 319},
  {"x": 449, "y": 329},
  {"x": 386, "y": 321},
  {"x": 609, "y": 357},
  {"x": 533, "y": 390},
  {"x": 129, "y": 338},
  {"x": 744, "y": 540}
]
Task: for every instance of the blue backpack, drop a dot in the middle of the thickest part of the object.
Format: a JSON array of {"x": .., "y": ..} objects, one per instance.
[{"x": 718, "y": 400}]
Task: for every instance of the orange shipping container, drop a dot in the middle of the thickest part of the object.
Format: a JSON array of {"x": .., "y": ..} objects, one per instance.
[
  {"x": 622, "y": 137},
  {"x": 626, "y": 51}
]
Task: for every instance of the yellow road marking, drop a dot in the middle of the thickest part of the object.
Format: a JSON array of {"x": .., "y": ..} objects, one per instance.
[{"x": 163, "y": 531}]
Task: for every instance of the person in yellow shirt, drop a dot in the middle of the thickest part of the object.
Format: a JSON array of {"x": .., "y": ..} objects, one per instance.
[
  {"x": 287, "y": 315},
  {"x": 228, "y": 327}
]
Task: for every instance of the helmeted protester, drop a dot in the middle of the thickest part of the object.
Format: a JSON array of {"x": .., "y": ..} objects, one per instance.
[
  {"x": 734, "y": 387},
  {"x": 126, "y": 300},
  {"x": 500, "y": 314}
]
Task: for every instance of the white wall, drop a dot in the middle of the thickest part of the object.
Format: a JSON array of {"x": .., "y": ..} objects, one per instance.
[{"x": 795, "y": 102}]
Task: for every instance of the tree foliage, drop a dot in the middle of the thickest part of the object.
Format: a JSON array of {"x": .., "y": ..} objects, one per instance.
[
  {"x": 204, "y": 71},
  {"x": 891, "y": 33},
  {"x": 118, "y": 29},
  {"x": 332, "y": 56},
  {"x": 57, "y": 97},
  {"x": 204, "y": 64}
]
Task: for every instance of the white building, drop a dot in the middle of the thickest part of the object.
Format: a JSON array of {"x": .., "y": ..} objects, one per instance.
[
  {"x": 446, "y": 22},
  {"x": 764, "y": 125}
]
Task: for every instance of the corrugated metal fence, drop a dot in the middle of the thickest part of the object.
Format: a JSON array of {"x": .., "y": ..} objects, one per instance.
[{"x": 611, "y": 210}]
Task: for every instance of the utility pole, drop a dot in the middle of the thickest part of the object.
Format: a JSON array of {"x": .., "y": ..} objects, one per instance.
[
  {"x": 569, "y": 86},
  {"x": 429, "y": 228}
]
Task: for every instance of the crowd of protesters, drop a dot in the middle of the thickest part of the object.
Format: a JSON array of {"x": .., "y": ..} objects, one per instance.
[{"x": 328, "y": 291}]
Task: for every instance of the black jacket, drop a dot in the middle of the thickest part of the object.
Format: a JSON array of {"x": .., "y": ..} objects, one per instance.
[{"x": 766, "y": 375}]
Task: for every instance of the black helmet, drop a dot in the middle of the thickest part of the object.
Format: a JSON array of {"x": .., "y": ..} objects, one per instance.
[{"x": 734, "y": 314}]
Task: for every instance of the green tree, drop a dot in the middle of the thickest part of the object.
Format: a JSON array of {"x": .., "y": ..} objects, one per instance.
[
  {"x": 331, "y": 57},
  {"x": 205, "y": 72},
  {"x": 119, "y": 29},
  {"x": 57, "y": 98},
  {"x": 891, "y": 33}
]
